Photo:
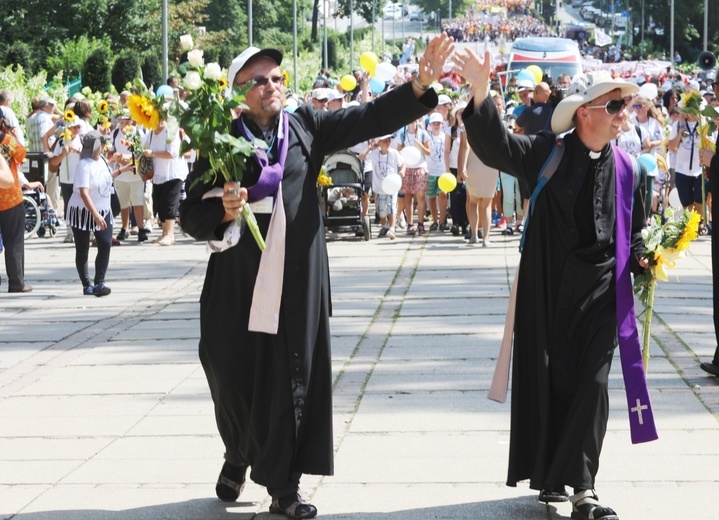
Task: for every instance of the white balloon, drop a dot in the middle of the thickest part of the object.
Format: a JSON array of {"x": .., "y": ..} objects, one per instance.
[
  {"x": 392, "y": 184},
  {"x": 385, "y": 71},
  {"x": 674, "y": 200},
  {"x": 411, "y": 156}
]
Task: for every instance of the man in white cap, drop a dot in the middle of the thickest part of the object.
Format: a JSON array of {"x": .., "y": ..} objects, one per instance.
[
  {"x": 320, "y": 98},
  {"x": 573, "y": 289},
  {"x": 264, "y": 315},
  {"x": 334, "y": 99}
]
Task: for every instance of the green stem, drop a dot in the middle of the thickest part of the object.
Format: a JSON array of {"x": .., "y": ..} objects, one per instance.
[
  {"x": 648, "y": 325},
  {"x": 251, "y": 222}
]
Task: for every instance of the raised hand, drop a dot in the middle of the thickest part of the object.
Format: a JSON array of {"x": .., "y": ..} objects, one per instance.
[
  {"x": 475, "y": 71},
  {"x": 431, "y": 63}
]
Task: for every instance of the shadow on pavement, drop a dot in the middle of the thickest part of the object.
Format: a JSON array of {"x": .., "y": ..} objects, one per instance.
[{"x": 525, "y": 508}]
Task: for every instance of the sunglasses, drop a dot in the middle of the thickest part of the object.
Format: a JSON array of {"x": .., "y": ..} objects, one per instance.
[
  {"x": 612, "y": 107},
  {"x": 261, "y": 81},
  {"x": 637, "y": 107}
]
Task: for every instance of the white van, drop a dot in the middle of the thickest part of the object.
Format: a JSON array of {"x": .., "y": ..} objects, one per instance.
[{"x": 554, "y": 56}]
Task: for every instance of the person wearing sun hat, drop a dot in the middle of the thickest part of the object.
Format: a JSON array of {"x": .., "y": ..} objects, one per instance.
[
  {"x": 573, "y": 292},
  {"x": 264, "y": 315}
]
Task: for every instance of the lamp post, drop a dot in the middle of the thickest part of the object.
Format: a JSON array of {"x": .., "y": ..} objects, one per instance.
[
  {"x": 165, "y": 67},
  {"x": 249, "y": 22},
  {"x": 294, "y": 47},
  {"x": 352, "y": 34},
  {"x": 671, "y": 33},
  {"x": 324, "y": 25}
]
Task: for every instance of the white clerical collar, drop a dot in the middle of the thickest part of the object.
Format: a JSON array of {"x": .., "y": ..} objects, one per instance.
[{"x": 594, "y": 155}]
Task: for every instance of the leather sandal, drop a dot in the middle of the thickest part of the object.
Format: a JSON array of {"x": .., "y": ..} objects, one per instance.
[
  {"x": 297, "y": 509},
  {"x": 585, "y": 506},
  {"x": 557, "y": 494},
  {"x": 227, "y": 487}
]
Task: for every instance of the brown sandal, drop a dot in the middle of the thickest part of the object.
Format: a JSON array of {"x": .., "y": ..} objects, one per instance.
[{"x": 297, "y": 509}]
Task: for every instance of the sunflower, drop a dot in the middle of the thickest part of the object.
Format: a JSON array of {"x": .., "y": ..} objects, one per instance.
[
  {"x": 102, "y": 106},
  {"x": 223, "y": 83},
  {"x": 286, "y": 80},
  {"x": 67, "y": 135},
  {"x": 143, "y": 111},
  {"x": 106, "y": 123},
  {"x": 69, "y": 115},
  {"x": 691, "y": 231}
]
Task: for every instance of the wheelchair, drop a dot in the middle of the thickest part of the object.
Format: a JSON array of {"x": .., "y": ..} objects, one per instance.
[{"x": 40, "y": 218}]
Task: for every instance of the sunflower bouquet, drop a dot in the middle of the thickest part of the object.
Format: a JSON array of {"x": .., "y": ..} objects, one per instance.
[
  {"x": 206, "y": 119},
  {"x": 323, "y": 179},
  {"x": 665, "y": 244}
]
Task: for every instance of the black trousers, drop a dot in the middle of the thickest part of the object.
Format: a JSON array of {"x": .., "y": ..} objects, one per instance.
[
  {"x": 82, "y": 250},
  {"x": 714, "y": 188},
  {"x": 12, "y": 226}
]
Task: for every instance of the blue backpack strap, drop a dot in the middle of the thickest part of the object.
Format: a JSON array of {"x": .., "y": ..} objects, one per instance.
[{"x": 548, "y": 168}]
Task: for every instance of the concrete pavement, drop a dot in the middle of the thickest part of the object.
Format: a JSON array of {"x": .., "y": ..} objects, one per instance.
[{"x": 105, "y": 412}]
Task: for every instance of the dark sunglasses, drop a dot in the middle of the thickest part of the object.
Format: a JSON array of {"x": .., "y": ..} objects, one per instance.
[
  {"x": 261, "y": 81},
  {"x": 637, "y": 107},
  {"x": 612, "y": 107}
]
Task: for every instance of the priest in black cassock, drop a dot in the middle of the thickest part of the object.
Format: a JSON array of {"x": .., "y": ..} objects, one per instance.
[
  {"x": 265, "y": 336},
  {"x": 574, "y": 294},
  {"x": 710, "y": 160}
]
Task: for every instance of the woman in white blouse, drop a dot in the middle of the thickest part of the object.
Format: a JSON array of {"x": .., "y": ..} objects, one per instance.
[{"x": 170, "y": 173}]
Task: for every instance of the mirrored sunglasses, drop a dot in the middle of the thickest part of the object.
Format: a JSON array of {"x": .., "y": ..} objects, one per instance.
[{"x": 612, "y": 107}]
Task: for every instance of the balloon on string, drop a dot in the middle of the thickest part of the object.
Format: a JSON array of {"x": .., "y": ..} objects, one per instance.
[
  {"x": 411, "y": 156},
  {"x": 368, "y": 61},
  {"x": 537, "y": 71},
  {"x": 385, "y": 71},
  {"x": 165, "y": 90},
  {"x": 392, "y": 184},
  {"x": 525, "y": 75},
  {"x": 447, "y": 182},
  {"x": 348, "y": 83},
  {"x": 376, "y": 85},
  {"x": 674, "y": 200},
  {"x": 649, "y": 161}
]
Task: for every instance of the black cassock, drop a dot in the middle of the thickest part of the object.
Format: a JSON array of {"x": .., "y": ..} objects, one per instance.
[
  {"x": 565, "y": 325},
  {"x": 273, "y": 393}
]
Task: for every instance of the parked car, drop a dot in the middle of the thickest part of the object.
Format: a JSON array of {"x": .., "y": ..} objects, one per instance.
[
  {"x": 417, "y": 16},
  {"x": 392, "y": 12}
]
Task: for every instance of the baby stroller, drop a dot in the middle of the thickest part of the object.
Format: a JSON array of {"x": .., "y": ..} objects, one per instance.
[
  {"x": 40, "y": 218},
  {"x": 342, "y": 200}
]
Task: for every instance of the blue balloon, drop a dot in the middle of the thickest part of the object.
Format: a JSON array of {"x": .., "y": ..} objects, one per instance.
[
  {"x": 165, "y": 90},
  {"x": 526, "y": 75},
  {"x": 649, "y": 161},
  {"x": 376, "y": 85}
]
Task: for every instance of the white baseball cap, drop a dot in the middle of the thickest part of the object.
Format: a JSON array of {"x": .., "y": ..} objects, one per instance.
[
  {"x": 248, "y": 54},
  {"x": 436, "y": 117}
]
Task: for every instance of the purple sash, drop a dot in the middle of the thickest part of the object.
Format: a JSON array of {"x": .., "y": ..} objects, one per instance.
[
  {"x": 271, "y": 174},
  {"x": 641, "y": 417}
]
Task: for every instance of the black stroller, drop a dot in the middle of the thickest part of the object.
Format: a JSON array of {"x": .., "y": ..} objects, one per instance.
[{"x": 342, "y": 200}]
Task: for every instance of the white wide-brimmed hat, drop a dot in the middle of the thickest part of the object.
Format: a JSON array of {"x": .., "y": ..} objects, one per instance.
[{"x": 585, "y": 88}]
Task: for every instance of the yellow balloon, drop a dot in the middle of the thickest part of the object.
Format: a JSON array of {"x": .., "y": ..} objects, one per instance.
[
  {"x": 348, "y": 83},
  {"x": 368, "y": 61},
  {"x": 537, "y": 71},
  {"x": 447, "y": 182}
]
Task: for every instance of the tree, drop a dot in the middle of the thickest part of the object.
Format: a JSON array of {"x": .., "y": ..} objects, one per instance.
[
  {"x": 125, "y": 69},
  {"x": 96, "y": 72},
  {"x": 151, "y": 72}
]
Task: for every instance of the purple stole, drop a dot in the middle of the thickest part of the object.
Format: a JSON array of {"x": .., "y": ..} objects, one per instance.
[{"x": 641, "y": 417}]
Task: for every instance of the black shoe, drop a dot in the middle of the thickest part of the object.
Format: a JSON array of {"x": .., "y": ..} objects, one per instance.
[
  {"x": 293, "y": 507},
  {"x": 88, "y": 290},
  {"x": 101, "y": 289},
  {"x": 710, "y": 368},
  {"x": 230, "y": 483},
  {"x": 455, "y": 231},
  {"x": 558, "y": 494},
  {"x": 141, "y": 235},
  {"x": 122, "y": 235}
]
